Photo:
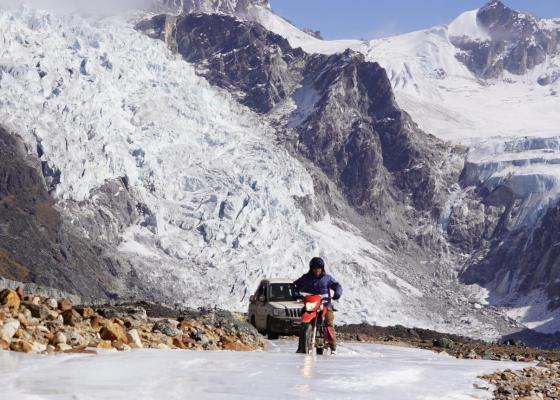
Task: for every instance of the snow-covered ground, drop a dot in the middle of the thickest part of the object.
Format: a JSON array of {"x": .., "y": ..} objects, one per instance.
[{"x": 360, "y": 371}]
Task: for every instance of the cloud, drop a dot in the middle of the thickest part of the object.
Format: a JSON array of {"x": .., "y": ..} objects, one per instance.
[{"x": 82, "y": 6}]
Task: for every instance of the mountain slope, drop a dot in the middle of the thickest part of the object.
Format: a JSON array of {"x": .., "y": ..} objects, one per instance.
[
  {"x": 486, "y": 77},
  {"x": 242, "y": 156},
  {"x": 213, "y": 202}
]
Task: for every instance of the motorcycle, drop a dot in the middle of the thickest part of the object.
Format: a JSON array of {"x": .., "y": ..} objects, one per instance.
[{"x": 314, "y": 334}]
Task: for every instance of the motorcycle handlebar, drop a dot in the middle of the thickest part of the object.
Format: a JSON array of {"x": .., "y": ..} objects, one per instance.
[{"x": 301, "y": 296}]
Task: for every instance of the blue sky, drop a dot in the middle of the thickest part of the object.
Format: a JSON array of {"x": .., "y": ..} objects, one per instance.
[{"x": 337, "y": 19}]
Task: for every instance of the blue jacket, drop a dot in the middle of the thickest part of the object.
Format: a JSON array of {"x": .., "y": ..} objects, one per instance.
[{"x": 308, "y": 283}]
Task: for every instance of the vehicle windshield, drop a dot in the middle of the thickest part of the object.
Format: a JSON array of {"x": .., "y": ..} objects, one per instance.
[{"x": 282, "y": 292}]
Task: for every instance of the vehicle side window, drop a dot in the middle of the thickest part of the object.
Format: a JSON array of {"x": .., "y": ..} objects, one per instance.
[{"x": 262, "y": 291}]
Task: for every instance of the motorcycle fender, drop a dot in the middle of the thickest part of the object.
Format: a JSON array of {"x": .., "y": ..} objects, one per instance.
[{"x": 307, "y": 317}]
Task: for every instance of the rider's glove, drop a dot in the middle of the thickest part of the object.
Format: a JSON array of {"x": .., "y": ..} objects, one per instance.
[{"x": 336, "y": 297}]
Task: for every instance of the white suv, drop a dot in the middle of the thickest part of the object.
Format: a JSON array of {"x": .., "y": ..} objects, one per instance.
[{"x": 274, "y": 310}]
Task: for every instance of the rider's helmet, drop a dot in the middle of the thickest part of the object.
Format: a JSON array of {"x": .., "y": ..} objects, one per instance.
[{"x": 317, "y": 262}]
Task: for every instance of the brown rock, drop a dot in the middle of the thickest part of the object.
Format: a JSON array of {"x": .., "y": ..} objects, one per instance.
[
  {"x": 117, "y": 344},
  {"x": 4, "y": 345},
  {"x": 64, "y": 304},
  {"x": 19, "y": 292},
  {"x": 177, "y": 342},
  {"x": 85, "y": 312},
  {"x": 63, "y": 347},
  {"x": 105, "y": 344},
  {"x": 21, "y": 346},
  {"x": 10, "y": 299},
  {"x": 52, "y": 315},
  {"x": 113, "y": 331},
  {"x": 96, "y": 321},
  {"x": 232, "y": 344},
  {"x": 71, "y": 317},
  {"x": 37, "y": 311}
]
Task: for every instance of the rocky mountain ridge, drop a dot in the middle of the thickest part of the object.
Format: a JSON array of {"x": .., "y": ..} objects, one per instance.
[{"x": 517, "y": 42}]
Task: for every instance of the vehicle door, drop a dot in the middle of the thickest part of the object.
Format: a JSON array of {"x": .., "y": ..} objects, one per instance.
[{"x": 261, "y": 297}]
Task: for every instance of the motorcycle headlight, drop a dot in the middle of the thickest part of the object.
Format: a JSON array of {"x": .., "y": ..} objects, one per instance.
[
  {"x": 310, "y": 306},
  {"x": 278, "y": 312}
]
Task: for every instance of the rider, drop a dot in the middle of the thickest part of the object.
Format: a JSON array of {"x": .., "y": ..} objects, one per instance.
[{"x": 316, "y": 281}]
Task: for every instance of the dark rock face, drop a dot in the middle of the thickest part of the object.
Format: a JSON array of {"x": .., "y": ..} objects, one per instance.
[
  {"x": 523, "y": 261},
  {"x": 356, "y": 133},
  {"x": 519, "y": 42},
  {"x": 240, "y": 57},
  {"x": 474, "y": 223},
  {"x": 346, "y": 122},
  {"x": 36, "y": 244}
]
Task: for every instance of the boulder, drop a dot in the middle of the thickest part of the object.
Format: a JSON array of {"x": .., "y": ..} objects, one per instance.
[
  {"x": 76, "y": 340},
  {"x": 65, "y": 304},
  {"x": 105, "y": 344},
  {"x": 4, "y": 345},
  {"x": 96, "y": 321},
  {"x": 166, "y": 328},
  {"x": 59, "y": 338},
  {"x": 21, "y": 346},
  {"x": 444, "y": 343},
  {"x": 134, "y": 338},
  {"x": 117, "y": 344},
  {"x": 63, "y": 347},
  {"x": 37, "y": 347},
  {"x": 134, "y": 312},
  {"x": 37, "y": 311},
  {"x": 178, "y": 342},
  {"x": 113, "y": 331},
  {"x": 19, "y": 291},
  {"x": 71, "y": 317},
  {"x": 10, "y": 299},
  {"x": 233, "y": 344},
  {"x": 9, "y": 329},
  {"x": 51, "y": 303},
  {"x": 85, "y": 312}
]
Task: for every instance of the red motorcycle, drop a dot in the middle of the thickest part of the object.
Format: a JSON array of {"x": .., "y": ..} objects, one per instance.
[{"x": 314, "y": 333}]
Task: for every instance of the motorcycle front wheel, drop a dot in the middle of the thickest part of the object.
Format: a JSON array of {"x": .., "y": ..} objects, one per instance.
[{"x": 306, "y": 339}]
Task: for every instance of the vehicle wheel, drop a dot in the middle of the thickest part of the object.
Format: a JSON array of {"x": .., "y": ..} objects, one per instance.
[
  {"x": 305, "y": 339},
  {"x": 320, "y": 351},
  {"x": 253, "y": 322},
  {"x": 271, "y": 335}
]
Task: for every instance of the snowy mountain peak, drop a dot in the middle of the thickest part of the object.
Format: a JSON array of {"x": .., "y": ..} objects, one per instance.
[{"x": 517, "y": 42}]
